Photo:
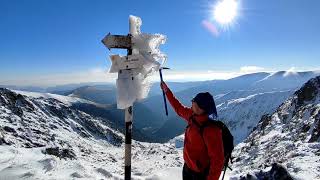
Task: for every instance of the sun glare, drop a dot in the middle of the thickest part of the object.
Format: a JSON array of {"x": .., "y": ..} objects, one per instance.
[{"x": 225, "y": 11}]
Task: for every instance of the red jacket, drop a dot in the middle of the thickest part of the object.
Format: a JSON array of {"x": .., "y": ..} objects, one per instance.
[{"x": 199, "y": 152}]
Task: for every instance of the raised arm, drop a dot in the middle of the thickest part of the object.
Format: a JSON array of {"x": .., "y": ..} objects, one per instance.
[{"x": 180, "y": 109}]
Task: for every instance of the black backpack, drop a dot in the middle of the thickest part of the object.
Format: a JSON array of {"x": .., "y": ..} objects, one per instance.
[{"x": 227, "y": 140}]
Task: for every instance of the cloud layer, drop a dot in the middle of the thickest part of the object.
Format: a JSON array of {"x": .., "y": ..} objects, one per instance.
[{"x": 100, "y": 74}]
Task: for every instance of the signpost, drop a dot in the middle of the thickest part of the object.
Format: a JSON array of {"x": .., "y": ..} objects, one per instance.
[
  {"x": 124, "y": 42},
  {"x": 142, "y": 59}
]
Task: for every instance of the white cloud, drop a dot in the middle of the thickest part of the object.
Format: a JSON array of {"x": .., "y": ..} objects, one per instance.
[
  {"x": 290, "y": 71},
  {"x": 250, "y": 69},
  {"x": 100, "y": 74},
  {"x": 174, "y": 75},
  {"x": 91, "y": 75}
]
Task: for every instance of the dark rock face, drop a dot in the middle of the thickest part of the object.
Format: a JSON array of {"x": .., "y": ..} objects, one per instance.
[
  {"x": 309, "y": 91},
  {"x": 265, "y": 120},
  {"x": 16, "y": 102},
  {"x": 316, "y": 131},
  {"x": 9, "y": 129},
  {"x": 2, "y": 139},
  {"x": 277, "y": 172},
  {"x": 61, "y": 153}
]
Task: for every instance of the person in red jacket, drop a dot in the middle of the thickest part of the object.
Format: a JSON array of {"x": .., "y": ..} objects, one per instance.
[{"x": 203, "y": 154}]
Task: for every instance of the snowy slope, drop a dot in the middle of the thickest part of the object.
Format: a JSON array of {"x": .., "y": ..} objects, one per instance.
[
  {"x": 285, "y": 79},
  {"x": 64, "y": 99},
  {"x": 99, "y": 94},
  {"x": 242, "y": 115},
  {"x": 259, "y": 86},
  {"x": 43, "y": 138},
  {"x": 290, "y": 136}
]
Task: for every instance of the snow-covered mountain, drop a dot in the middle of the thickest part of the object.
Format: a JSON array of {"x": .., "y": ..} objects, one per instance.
[
  {"x": 152, "y": 125},
  {"x": 240, "y": 101},
  {"x": 108, "y": 113},
  {"x": 43, "y": 137},
  {"x": 242, "y": 115},
  {"x": 289, "y": 136},
  {"x": 100, "y": 94}
]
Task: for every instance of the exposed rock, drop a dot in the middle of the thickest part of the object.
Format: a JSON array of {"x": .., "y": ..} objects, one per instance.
[
  {"x": 287, "y": 136},
  {"x": 76, "y": 175},
  {"x": 316, "y": 131},
  {"x": 277, "y": 172},
  {"x": 61, "y": 153},
  {"x": 265, "y": 120},
  {"x": 309, "y": 91},
  {"x": 9, "y": 129},
  {"x": 104, "y": 172},
  {"x": 2, "y": 140}
]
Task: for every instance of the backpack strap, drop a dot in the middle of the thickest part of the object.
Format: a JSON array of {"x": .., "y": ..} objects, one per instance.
[{"x": 201, "y": 128}]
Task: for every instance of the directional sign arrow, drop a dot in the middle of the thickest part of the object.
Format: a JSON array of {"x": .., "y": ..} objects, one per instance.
[{"x": 117, "y": 41}]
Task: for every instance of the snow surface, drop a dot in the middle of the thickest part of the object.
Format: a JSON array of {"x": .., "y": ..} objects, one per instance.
[
  {"x": 99, "y": 150},
  {"x": 67, "y": 100},
  {"x": 32, "y": 123},
  {"x": 242, "y": 114}
]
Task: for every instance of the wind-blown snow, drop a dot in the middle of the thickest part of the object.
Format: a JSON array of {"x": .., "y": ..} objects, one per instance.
[{"x": 134, "y": 84}]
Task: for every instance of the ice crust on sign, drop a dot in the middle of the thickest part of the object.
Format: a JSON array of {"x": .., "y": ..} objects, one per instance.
[{"x": 133, "y": 85}]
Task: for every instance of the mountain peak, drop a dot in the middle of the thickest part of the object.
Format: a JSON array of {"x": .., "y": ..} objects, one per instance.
[{"x": 309, "y": 91}]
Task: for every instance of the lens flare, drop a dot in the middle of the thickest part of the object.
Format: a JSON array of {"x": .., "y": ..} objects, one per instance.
[{"x": 225, "y": 11}]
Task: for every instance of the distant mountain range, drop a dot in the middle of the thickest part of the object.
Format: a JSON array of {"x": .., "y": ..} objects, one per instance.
[
  {"x": 239, "y": 100},
  {"x": 59, "y": 89},
  {"x": 45, "y": 136},
  {"x": 235, "y": 99}
]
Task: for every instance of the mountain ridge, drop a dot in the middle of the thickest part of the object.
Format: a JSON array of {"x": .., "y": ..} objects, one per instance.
[{"x": 289, "y": 136}]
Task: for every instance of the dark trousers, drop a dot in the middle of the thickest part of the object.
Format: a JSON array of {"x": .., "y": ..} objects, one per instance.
[{"x": 188, "y": 174}]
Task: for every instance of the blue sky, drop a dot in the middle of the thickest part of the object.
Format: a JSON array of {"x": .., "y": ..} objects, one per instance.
[{"x": 58, "y": 41}]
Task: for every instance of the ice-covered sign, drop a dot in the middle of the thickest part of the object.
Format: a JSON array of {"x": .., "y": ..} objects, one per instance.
[{"x": 134, "y": 69}]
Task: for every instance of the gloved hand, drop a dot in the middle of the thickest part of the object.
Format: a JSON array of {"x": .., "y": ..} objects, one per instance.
[{"x": 164, "y": 86}]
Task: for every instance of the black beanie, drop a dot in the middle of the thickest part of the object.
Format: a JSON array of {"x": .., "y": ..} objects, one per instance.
[{"x": 206, "y": 102}]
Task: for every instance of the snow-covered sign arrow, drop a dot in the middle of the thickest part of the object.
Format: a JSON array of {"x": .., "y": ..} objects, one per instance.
[{"x": 117, "y": 41}]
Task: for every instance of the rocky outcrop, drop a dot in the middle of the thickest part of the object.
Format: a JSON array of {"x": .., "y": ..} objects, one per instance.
[
  {"x": 63, "y": 153},
  {"x": 31, "y": 122},
  {"x": 285, "y": 138},
  {"x": 277, "y": 172}
]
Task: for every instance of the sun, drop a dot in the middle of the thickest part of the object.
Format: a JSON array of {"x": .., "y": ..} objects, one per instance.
[{"x": 225, "y": 11}]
